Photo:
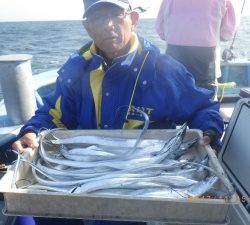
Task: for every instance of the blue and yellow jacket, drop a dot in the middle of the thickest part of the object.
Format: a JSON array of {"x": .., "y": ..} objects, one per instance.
[{"x": 90, "y": 96}]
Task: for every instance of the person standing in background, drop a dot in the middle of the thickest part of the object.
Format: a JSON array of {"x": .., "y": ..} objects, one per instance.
[{"x": 193, "y": 30}]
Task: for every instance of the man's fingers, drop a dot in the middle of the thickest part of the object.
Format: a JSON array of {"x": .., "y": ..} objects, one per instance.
[
  {"x": 17, "y": 145},
  {"x": 205, "y": 140},
  {"x": 29, "y": 140}
]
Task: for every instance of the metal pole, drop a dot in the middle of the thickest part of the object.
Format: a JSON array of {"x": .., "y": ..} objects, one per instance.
[{"x": 17, "y": 86}]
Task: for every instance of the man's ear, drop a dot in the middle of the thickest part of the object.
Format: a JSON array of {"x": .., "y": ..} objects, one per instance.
[
  {"x": 85, "y": 25},
  {"x": 134, "y": 18}
]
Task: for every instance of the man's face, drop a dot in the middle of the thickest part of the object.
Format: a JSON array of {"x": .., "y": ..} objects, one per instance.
[{"x": 110, "y": 28}]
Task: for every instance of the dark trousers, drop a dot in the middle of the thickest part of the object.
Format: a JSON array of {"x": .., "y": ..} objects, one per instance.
[
  {"x": 199, "y": 61},
  {"x": 58, "y": 221}
]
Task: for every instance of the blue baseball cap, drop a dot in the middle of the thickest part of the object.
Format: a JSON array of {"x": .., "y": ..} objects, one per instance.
[{"x": 90, "y": 4}]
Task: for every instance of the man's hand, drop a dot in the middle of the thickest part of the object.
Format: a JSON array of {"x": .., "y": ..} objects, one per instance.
[
  {"x": 206, "y": 140},
  {"x": 28, "y": 140},
  {"x": 209, "y": 137}
]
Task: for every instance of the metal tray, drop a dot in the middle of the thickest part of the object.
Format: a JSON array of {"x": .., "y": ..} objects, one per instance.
[{"x": 54, "y": 204}]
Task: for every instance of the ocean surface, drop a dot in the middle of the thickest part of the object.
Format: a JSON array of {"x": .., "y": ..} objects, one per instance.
[{"x": 51, "y": 43}]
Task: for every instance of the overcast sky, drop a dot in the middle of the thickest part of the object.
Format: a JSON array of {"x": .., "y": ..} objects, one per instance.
[{"x": 29, "y": 10}]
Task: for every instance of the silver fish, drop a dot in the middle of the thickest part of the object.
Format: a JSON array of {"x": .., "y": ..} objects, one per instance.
[
  {"x": 48, "y": 188},
  {"x": 22, "y": 158},
  {"x": 184, "y": 148},
  {"x": 202, "y": 187},
  {"x": 92, "y": 156},
  {"x": 158, "y": 192},
  {"x": 130, "y": 182},
  {"x": 174, "y": 143}
]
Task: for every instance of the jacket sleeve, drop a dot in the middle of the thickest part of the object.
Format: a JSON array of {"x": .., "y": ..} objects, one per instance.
[
  {"x": 228, "y": 23},
  {"x": 185, "y": 101},
  {"x": 59, "y": 107}
]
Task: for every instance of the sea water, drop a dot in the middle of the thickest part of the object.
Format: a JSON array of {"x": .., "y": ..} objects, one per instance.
[{"x": 51, "y": 43}]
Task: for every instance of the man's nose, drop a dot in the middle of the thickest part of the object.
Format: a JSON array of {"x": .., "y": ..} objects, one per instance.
[{"x": 109, "y": 21}]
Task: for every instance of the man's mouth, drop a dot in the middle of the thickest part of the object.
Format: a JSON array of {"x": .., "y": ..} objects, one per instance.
[{"x": 110, "y": 38}]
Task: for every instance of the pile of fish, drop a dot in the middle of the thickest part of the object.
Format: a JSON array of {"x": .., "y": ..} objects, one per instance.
[{"x": 120, "y": 166}]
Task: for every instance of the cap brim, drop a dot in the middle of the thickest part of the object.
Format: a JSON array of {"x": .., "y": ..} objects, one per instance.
[{"x": 120, "y": 4}]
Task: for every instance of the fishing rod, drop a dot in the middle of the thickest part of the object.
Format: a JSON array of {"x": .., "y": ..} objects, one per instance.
[{"x": 228, "y": 54}]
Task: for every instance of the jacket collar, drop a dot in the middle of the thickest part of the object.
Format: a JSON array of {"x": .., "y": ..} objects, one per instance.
[
  {"x": 138, "y": 45},
  {"x": 124, "y": 60}
]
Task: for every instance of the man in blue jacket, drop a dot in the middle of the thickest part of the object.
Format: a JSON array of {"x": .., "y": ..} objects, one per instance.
[{"x": 99, "y": 86}]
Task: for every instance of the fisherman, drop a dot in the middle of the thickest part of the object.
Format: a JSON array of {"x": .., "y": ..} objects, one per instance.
[{"x": 99, "y": 86}]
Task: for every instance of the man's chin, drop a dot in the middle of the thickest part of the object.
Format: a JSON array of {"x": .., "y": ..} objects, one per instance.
[
  {"x": 111, "y": 47},
  {"x": 111, "y": 42}
]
